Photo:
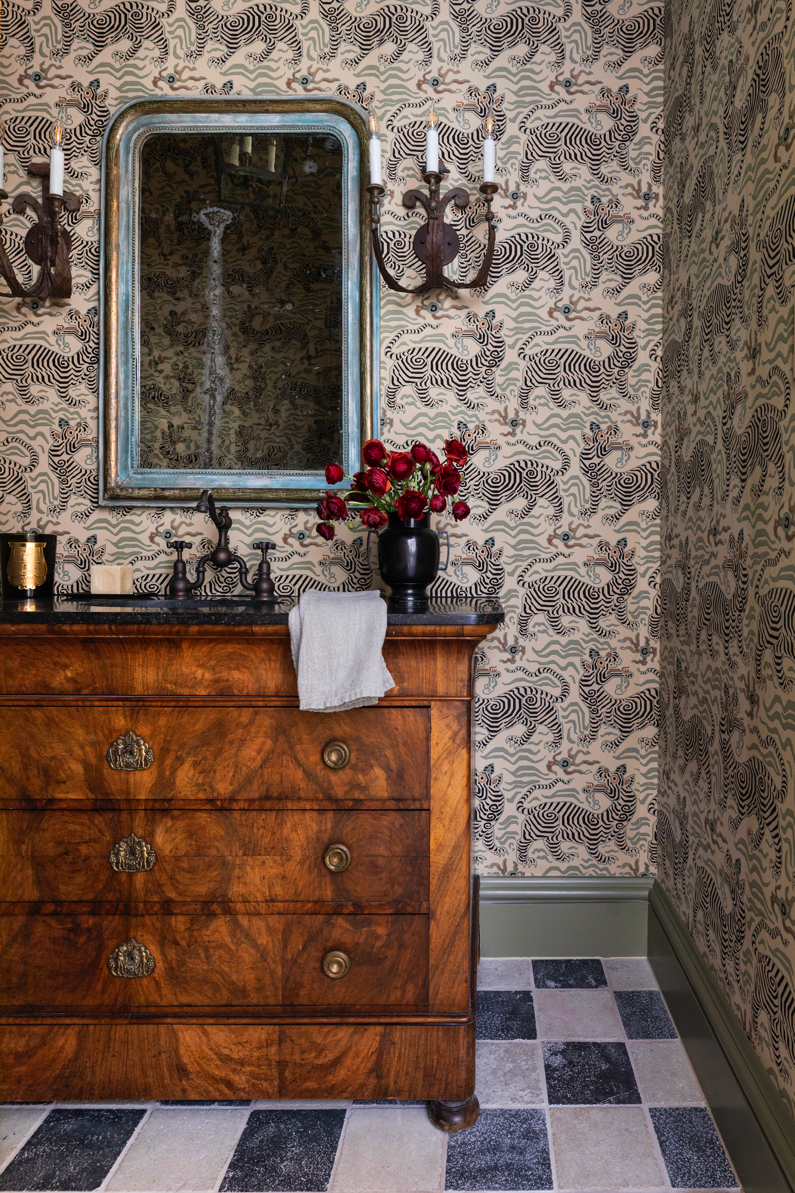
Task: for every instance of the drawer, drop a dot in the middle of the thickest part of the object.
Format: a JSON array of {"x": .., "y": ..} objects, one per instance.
[
  {"x": 195, "y": 856},
  {"x": 217, "y": 752},
  {"x": 212, "y": 961}
]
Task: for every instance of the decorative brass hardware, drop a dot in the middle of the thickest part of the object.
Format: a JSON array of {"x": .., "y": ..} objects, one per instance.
[
  {"x": 130, "y": 752},
  {"x": 336, "y": 755},
  {"x": 27, "y": 567},
  {"x": 132, "y": 855},
  {"x": 132, "y": 960},
  {"x": 336, "y": 964},
  {"x": 337, "y": 858}
]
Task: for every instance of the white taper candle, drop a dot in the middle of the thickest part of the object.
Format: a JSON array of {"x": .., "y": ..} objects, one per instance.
[
  {"x": 56, "y": 159},
  {"x": 376, "y": 178},
  {"x": 432, "y": 145},
  {"x": 489, "y": 152}
]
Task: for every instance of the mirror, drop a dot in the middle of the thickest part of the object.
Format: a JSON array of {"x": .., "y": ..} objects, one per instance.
[{"x": 238, "y": 308}]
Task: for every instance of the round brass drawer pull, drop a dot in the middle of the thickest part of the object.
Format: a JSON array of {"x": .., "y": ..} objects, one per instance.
[
  {"x": 337, "y": 858},
  {"x": 336, "y": 755},
  {"x": 336, "y": 964}
]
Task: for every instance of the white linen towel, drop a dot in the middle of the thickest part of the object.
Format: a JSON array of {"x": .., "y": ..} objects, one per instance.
[{"x": 336, "y": 640}]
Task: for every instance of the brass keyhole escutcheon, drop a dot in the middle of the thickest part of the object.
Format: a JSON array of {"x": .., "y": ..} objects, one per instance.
[
  {"x": 336, "y": 755},
  {"x": 337, "y": 858},
  {"x": 336, "y": 964}
]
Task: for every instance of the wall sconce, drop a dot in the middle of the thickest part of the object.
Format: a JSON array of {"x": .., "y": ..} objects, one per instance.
[
  {"x": 436, "y": 244},
  {"x": 47, "y": 243}
]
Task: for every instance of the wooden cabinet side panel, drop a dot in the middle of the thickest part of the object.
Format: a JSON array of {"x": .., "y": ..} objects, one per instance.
[{"x": 450, "y": 857}]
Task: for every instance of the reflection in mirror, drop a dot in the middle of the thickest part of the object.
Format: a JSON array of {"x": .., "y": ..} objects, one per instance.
[{"x": 241, "y": 301}]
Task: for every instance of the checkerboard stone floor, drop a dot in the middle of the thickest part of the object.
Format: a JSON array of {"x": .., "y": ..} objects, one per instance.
[{"x": 582, "y": 1081}]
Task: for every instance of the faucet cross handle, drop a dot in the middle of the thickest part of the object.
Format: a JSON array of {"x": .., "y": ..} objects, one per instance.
[
  {"x": 179, "y": 587},
  {"x": 264, "y": 588}
]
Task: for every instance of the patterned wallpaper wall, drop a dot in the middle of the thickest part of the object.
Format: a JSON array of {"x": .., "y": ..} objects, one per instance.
[
  {"x": 552, "y": 377},
  {"x": 726, "y": 826}
]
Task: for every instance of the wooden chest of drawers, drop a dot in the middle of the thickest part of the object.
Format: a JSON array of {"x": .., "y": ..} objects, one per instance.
[{"x": 207, "y": 893}]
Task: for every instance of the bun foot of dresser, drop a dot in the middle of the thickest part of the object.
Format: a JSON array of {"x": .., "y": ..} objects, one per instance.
[{"x": 454, "y": 1116}]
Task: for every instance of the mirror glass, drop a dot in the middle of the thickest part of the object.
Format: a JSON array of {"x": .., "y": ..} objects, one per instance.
[
  {"x": 241, "y": 301},
  {"x": 239, "y": 314}
]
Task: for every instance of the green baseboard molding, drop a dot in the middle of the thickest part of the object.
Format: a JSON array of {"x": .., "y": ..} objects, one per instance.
[
  {"x": 564, "y": 917},
  {"x": 753, "y": 1120}
]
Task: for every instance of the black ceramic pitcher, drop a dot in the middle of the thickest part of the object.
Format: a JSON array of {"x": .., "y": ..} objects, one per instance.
[{"x": 408, "y": 559}]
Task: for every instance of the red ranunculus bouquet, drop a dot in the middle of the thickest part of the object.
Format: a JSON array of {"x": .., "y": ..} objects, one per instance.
[{"x": 408, "y": 484}]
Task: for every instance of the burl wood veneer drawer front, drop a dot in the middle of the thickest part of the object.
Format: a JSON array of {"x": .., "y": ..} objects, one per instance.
[
  {"x": 236, "y": 856},
  {"x": 211, "y": 961},
  {"x": 212, "y": 752}
]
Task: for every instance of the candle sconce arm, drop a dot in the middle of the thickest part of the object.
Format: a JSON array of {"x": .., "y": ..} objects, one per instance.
[
  {"x": 47, "y": 243},
  {"x": 436, "y": 244}
]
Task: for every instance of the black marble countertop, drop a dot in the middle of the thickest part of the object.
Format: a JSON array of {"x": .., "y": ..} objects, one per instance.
[{"x": 231, "y": 611}]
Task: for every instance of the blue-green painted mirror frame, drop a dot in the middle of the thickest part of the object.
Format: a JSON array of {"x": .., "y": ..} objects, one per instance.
[{"x": 122, "y": 480}]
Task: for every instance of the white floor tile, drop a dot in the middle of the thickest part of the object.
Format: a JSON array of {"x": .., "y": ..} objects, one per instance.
[
  {"x": 386, "y": 1150},
  {"x": 629, "y": 973},
  {"x": 577, "y": 1015},
  {"x": 16, "y": 1123},
  {"x": 664, "y": 1074},
  {"x": 179, "y": 1149},
  {"x": 508, "y": 1073},
  {"x": 505, "y": 973}
]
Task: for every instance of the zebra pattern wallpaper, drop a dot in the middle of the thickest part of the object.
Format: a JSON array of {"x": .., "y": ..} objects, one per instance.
[
  {"x": 726, "y": 828},
  {"x": 552, "y": 377}
]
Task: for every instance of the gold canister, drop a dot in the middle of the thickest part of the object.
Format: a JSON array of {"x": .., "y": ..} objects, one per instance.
[{"x": 27, "y": 565}]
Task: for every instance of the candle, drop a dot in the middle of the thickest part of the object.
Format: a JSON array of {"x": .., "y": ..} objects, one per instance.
[
  {"x": 247, "y": 146},
  {"x": 56, "y": 159},
  {"x": 1, "y": 154},
  {"x": 234, "y": 152},
  {"x": 107, "y": 579},
  {"x": 376, "y": 178},
  {"x": 272, "y": 155},
  {"x": 489, "y": 151},
  {"x": 432, "y": 145}
]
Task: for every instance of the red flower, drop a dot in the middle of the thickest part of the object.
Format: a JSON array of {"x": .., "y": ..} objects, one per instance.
[
  {"x": 322, "y": 510},
  {"x": 455, "y": 451},
  {"x": 334, "y": 474},
  {"x": 411, "y": 505},
  {"x": 400, "y": 466},
  {"x": 460, "y": 510},
  {"x": 373, "y": 518},
  {"x": 434, "y": 462},
  {"x": 438, "y": 504},
  {"x": 325, "y": 531},
  {"x": 359, "y": 482},
  {"x": 337, "y": 509},
  {"x": 376, "y": 481},
  {"x": 448, "y": 479},
  {"x": 421, "y": 453},
  {"x": 373, "y": 452}
]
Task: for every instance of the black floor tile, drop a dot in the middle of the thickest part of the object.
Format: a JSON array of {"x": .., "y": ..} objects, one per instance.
[
  {"x": 692, "y": 1151},
  {"x": 506, "y": 1015},
  {"x": 578, "y": 974},
  {"x": 506, "y": 1149},
  {"x": 644, "y": 1015},
  {"x": 585, "y": 1073},
  {"x": 217, "y": 1102},
  {"x": 387, "y": 1102},
  {"x": 72, "y": 1149},
  {"x": 285, "y": 1150}
]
